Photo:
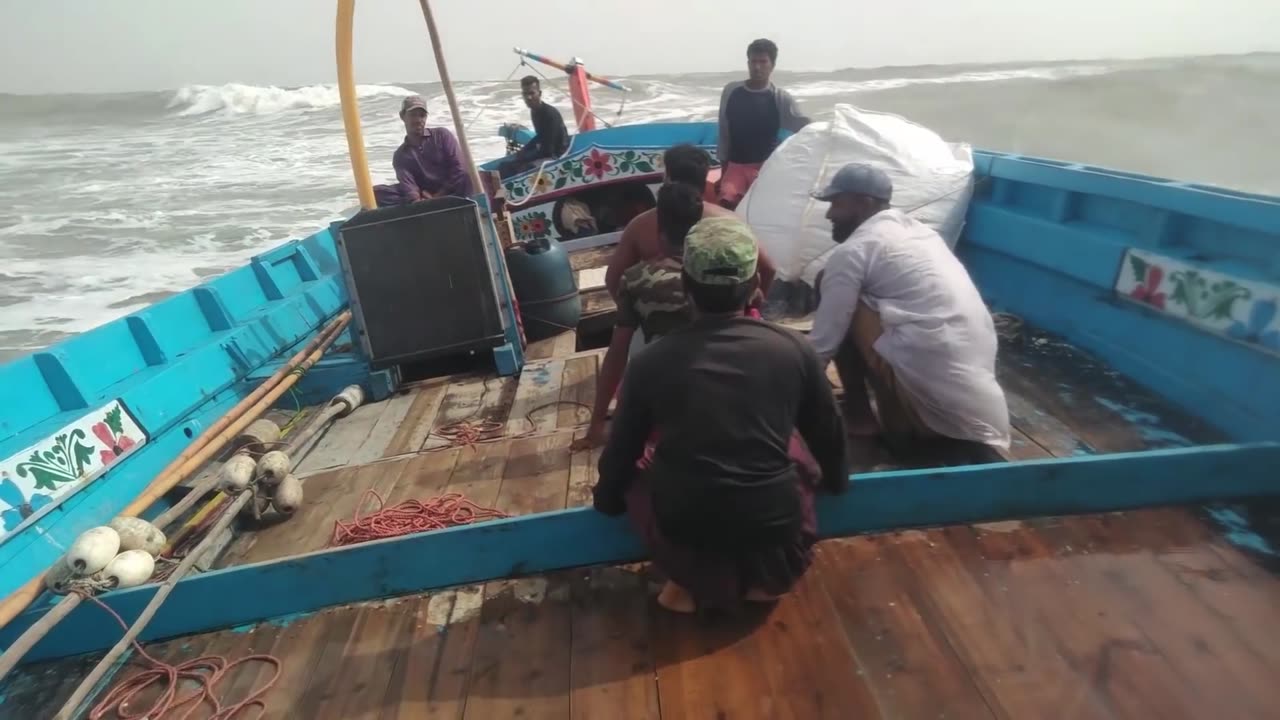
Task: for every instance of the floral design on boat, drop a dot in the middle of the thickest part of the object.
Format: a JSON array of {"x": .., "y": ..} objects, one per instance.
[
  {"x": 1241, "y": 309},
  {"x": 62, "y": 463},
  {"x": 591, "y": 165}
]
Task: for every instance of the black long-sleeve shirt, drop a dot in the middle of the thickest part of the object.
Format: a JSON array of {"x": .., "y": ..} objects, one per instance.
[
  {"x": 725, "y": 395},
  {"x": 551, "y": 138}
]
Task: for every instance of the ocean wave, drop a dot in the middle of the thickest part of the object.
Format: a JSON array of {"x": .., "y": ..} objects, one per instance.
[
  {"x": 824, "y": 88},
  {"x": 237, "y": 99}
]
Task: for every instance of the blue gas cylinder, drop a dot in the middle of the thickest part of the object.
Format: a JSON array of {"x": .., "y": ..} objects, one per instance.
[{"x": 545, "y": 288}]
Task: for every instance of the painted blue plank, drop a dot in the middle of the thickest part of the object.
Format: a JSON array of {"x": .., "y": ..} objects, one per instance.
[
  {"x": 1232, "y": 209},
  {"x": 1078, "y": 252},
  {"x": 1228, "y": 384},
  {"x": 579, "y": 537}
]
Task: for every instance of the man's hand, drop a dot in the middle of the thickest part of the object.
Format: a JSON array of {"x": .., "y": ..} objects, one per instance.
[
  {"x": 596, "y": 436},
  {"x": 426, "y": 195}
]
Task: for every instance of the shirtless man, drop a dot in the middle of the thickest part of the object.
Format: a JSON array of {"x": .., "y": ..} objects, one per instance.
[
  {"x": 641, "y": 240},
  {"x": 897, "y": 309}
]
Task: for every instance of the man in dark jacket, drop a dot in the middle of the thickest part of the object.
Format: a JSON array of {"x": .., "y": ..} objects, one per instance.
[
  {"x": 726, "y": 512},
  {"x": 550, "y": 139}
]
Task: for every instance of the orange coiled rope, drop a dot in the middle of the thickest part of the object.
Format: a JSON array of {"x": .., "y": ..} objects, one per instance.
[
  {"x": 206, "y": 671},
  {"x": 410, "y": 516}
]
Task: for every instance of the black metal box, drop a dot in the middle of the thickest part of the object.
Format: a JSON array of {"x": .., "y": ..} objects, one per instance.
[{"x": 420, "y": 281}]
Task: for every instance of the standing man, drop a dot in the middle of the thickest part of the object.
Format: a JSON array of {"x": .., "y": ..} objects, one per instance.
[
  {"x": 752, "y": 112},
  {"x": 550, "y": 138},
  {"x": 724, "y": 508},
  {"x": 429, "y": 162},
  {"x": 897, "y": 309}
]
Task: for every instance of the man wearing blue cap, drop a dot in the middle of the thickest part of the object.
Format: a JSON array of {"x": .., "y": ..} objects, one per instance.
[{"x": 898, "y": 311}]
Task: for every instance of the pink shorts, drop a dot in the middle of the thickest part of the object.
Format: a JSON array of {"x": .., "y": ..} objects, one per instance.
[{"x": 736, "y": 179}]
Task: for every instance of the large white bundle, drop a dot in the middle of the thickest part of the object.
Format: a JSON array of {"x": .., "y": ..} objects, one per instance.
[{"x": 932, "y": 181}]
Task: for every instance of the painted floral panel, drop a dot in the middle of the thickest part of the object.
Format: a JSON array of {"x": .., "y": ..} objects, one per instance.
[
  {"x": 1244, "y": 310},
  {"x": 60, "y": 464},
  {"x": 592, "y": 165}
]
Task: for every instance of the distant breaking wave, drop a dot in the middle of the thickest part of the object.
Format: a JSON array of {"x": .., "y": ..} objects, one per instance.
[
  {"x": 1059, "y": 72},
  {"x": 237, "y": 99}
]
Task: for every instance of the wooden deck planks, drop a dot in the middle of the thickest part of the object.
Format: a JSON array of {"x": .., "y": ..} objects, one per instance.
[
  {"x": 612, "y": 658},
  {"x": 904, "y": 655},
  {"x": 343, "y": 438},
  {"x": 416, "y": 427}
]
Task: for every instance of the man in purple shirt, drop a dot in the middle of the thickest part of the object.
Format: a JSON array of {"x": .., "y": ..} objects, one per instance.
[{"x": 429, "y": 163}]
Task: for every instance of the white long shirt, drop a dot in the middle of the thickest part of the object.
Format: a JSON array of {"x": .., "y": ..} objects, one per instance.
[{"x": 938, "y": 336}]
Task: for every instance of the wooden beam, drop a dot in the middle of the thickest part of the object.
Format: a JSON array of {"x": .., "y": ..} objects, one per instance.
[{"x": 550, "y": 541}]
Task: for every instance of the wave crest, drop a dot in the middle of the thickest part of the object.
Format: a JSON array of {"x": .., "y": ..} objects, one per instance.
[{"x": 237, "y": 99}]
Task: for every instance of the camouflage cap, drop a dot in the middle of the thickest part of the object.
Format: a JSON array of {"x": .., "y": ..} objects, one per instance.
[{"x": 720, "y": 251}]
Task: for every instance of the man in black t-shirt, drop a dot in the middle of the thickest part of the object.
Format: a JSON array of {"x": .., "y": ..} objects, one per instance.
[
  {"x": 752, "y": 112},
  {"x": 550, "y": 138},
  {"x": 724, "y": 508}
]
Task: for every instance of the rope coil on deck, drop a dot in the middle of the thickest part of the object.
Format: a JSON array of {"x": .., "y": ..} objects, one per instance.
[
  {"x": 410, "y": 516},
  {"x": 206, "y": 671}
]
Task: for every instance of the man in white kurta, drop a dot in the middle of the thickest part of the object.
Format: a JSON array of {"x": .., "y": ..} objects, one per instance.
[{"x": 898, "y": 311}]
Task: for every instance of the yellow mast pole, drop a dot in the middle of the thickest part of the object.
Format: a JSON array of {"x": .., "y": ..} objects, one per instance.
[
  {"x": 438, "y": 49},
  {"x": 350, "y": 106}
]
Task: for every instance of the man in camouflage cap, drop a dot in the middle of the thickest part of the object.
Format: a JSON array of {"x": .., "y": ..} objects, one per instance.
[{"x": 725, "y": 504}]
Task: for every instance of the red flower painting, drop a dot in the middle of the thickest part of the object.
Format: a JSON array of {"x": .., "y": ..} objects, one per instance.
[
  {"x": 111, "y": 433},
  {"x": 597, "y": 163},
  {"x": 1148, "y": 291}
]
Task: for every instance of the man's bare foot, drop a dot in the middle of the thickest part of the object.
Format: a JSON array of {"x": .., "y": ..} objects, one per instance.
[
  {"x": 676, "y": 599},
  {"x": 760, "y": 596}
]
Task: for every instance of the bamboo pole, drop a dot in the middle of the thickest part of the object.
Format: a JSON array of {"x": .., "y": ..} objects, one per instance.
[
  {"x": 438, "y": 49},
  {"x": 351, "y": 107},
  {"x": 224, "y": 521},
  {"x": 181, "y": 466},
  {"x": 39, "y": 629}
]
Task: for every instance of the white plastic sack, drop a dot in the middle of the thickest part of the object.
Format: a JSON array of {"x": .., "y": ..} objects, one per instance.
[{"x": 932, "y": 181}]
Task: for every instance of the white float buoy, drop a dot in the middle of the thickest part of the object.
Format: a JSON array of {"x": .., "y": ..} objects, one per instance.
[
  {"x": 273, "y": 467},
  {"x": 93, "y": 550},
  {"x": 352, "y": 396},
  {"x": 236, "y": 473},
  {"x": 259, "y": 436},
  {"x": 288, "y": 495},
  {"x": 138, "y": 534},
  {"x": 59, "y": 577},
  {"x": 128, "y": 569}
]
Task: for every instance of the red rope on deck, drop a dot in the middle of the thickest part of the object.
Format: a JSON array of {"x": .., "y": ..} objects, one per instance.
[
  {"x": 206, "y": 671},
  {"x": 410, "y": 516}
]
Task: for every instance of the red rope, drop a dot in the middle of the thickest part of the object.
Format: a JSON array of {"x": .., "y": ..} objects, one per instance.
[
  {"x": 206, "y": 671},
  {"x": 410, "y": 516}
]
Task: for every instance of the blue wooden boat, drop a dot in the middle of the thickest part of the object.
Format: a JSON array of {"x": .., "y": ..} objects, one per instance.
[{"x": 1118, "y": 561}]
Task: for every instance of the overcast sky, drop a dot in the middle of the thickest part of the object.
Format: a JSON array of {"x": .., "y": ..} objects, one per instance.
[{"x": 113, "y": 45}]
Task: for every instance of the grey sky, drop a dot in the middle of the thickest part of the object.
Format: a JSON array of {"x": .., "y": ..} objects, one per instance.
[{"x": 113, "y": 45}]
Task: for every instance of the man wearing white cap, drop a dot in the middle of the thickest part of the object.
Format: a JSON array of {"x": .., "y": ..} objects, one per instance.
[{"x": 897, "y": 310}]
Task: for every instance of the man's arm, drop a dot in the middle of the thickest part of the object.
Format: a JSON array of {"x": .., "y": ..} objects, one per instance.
[
  {"x": 608, "y": 378},
  {"x": 819, "y": 424},
  {"x": 841, "y": 287},
  {"x": 627, "y": 437},
  {"x": 766, "y": 271},
  {"x": 722, "y": 142},
  {"x": 558, "y": 135},
  {"x": 791, "y": 117},
  {"x": 625, "y": 254},
  {"x": 458, "y": 182},
  {"x": 408, "y": 183}
]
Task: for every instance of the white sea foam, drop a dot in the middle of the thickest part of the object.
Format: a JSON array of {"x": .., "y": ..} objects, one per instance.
[
  {"x": 237, "y": 99},
  {"x": 826, "y": 88}
]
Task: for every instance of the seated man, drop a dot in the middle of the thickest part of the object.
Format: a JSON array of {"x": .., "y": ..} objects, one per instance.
[
  {"x": 650, "y": 299},
  {"x": 642, "y": 240},
  {"x": 723, "y": 508},
  {"x": 897, "y": 309},
  {"x": 429, "y": 163},
  {"x": 550, "y": 139}
]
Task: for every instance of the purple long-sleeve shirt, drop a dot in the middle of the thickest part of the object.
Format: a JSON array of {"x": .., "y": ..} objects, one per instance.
[{"x": 434, "y": 165}]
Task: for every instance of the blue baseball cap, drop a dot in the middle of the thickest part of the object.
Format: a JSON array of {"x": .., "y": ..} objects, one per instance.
[{"x": 858, "y": 178}]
